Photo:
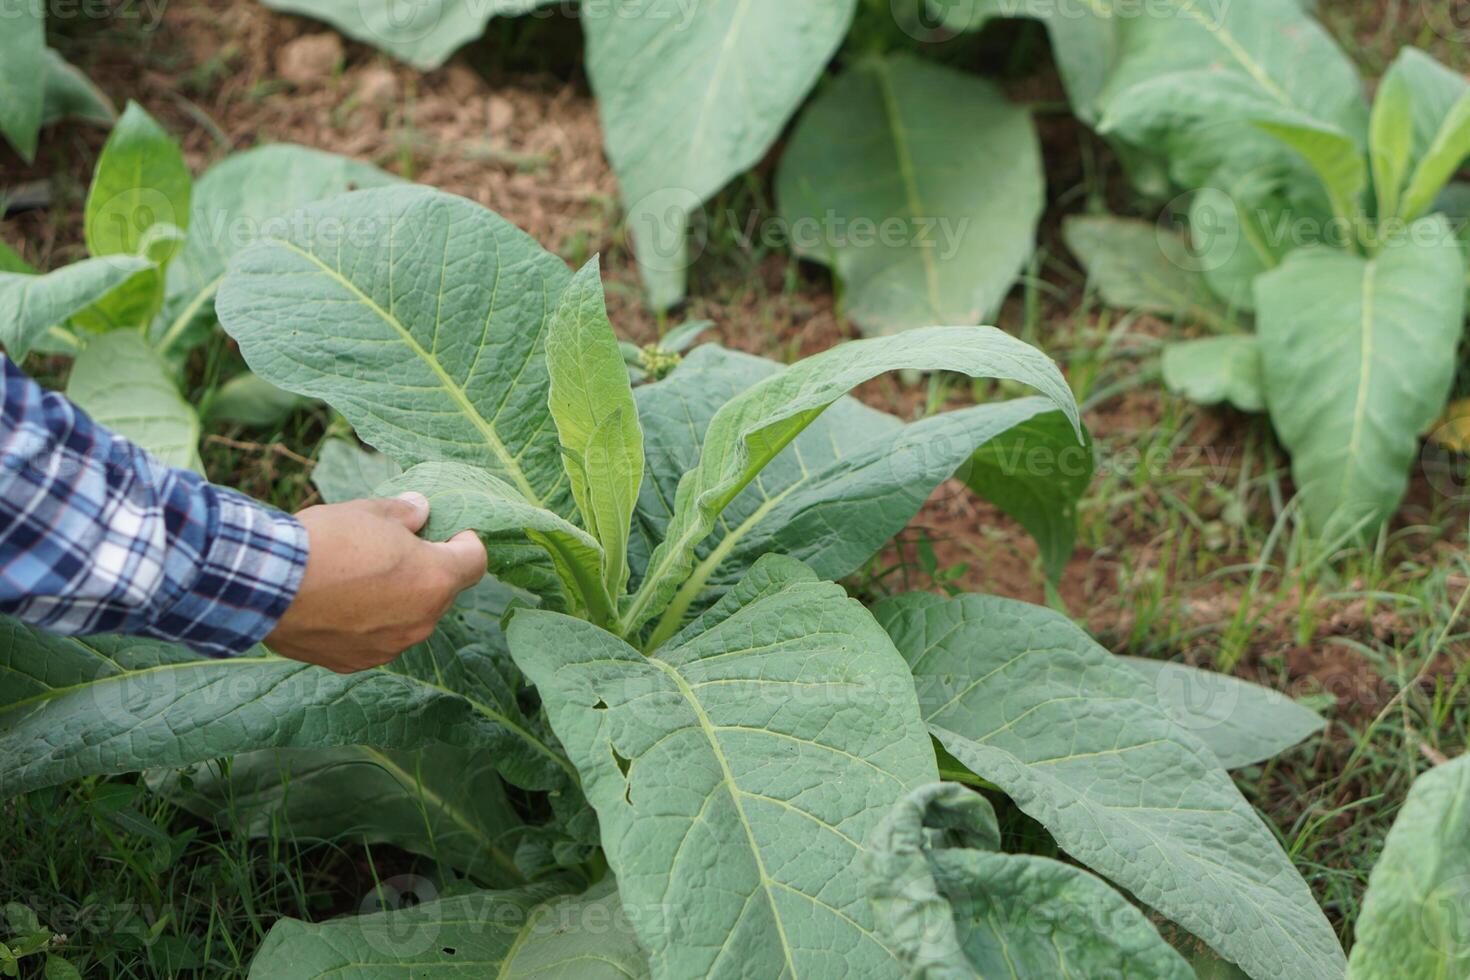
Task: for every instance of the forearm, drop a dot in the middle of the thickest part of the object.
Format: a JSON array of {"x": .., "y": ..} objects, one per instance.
[{"x": 96, "y": 536}]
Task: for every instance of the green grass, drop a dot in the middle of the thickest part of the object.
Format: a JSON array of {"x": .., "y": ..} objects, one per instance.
[{"x": 118, "y": 882}]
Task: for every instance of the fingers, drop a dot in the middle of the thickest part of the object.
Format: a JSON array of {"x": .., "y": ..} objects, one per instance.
[
  {"x": 409, "y": 509},
  {"x": 464, "y": 556}
]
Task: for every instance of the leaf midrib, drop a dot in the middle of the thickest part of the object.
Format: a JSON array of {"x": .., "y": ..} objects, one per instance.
[
  {"x": 1227, "y": 40},
  {"x": 728, "y": 779},
  {"x": 906, "y": 173},
  {"x": 451, "y": 387}
]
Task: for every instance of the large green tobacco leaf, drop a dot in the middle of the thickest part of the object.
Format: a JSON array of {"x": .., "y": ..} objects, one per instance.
[
  {"x": 30, "y": 305},
  {"x": 140, "y": 181},
  {"x": 1413, "y": 922},
  {"x": 444, "y": 803},
  {"x": 1206, "y": 122},
  {"x": 1026, "y": 700},
  {"x": 537, "y": 931},
  {"x": 920, "y": 185},
  {"x": 422, "y": 34},
  {"x": 758, "y": 750},
  {"x": 123, "y": 384},
  {"x": 463, "y": 497},
  {"x": 752, "y": 428},
  {"x": 1136, "y": 265},
  {"x": 1278, "y": 47},
  {"x": 245, "y": 197},
  {"x": 418, "y": 315},
  {"x": 1212, "y": 370},
  {"x": 1359, "y": 357},
  {"x": 954, "y": 906},
  {"x": 1084, "y": 39},
  {"x": 22, "y": 67},
  {"x": 1240, "y": 722},
  {"x": 592, "y": 404},
  {"x": 73, "y": 707},
  {"x": 693, "y": 95},
  {"x": 845, "y": 485}
]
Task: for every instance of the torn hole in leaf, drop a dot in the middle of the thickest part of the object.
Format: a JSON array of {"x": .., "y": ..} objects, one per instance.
[
  {"x": 448, "y": 950},
  {"x": 623, "y": 766},
  {"x": 601, "y": 705}
]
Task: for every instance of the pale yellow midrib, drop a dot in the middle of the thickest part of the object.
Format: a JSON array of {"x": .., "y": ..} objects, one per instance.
[{"x": 450, "y": 386}]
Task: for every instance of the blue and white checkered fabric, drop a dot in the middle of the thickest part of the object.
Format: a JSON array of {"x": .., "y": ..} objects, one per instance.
[{"x": 96, "y": 536}]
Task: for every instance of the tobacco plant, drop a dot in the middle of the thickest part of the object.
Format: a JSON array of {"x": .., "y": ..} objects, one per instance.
[
  {"x": 130, "y": 312},
  {"x": 662, "y": 737},
  {"x": 1327, "y": 224}
]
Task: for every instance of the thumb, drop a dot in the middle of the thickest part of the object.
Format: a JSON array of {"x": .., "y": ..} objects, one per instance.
[
  {"x": 409, "y": 509},
  {"x": 464, "y": 555}
]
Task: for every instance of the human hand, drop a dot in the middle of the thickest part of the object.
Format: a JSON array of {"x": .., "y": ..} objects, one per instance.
[{"x": 372, "y": 588}]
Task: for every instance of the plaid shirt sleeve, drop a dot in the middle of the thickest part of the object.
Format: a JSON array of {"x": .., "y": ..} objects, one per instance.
[{"x": 97, "y": 536}]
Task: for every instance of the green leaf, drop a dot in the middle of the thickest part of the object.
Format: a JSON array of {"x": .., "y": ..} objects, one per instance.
[
  {"x": 246, "y": 196},
  {"x": 1240, "y": 232},
  {"x": 752, "y": 428},
  {"x": 1443, "y": 158},
  {"x": 1036, "y": 471},
  {"x": 592, "y": 404},
  {"x": 1391, "y": 140},
  {"x": 691, "y": 98},
  {"x": 767, "y": 741},
  {"x": 73, "y": 707},
  {"x": 1199, "y": 119},
  {"x": 1084, "y": 39},
  {"x": 419, "y": 316},
  {"x": 30, "y": 304},
  {"x": 536, "y": 931},
  {"x": 1028, "y": 701},
  {"x": 140, "y": 181},
  {"x": 1136, "y": 265},
  {"x": 424, "y": 35},
  {"x": 71, "y": 95},
  {"x": 921, "y": 187},
  {"x": 140, "y": 189},
  {"x": 1413, "y": 918},
  {"x": 953, "y": 906},
  {"x": 1277, "y": 46},
  {"x": 59, "y": 969},
  {"x": 1212, "y": 370},
  {"x": 444, "y": 803},
  {"x": 10, "y": 261},
  {"x": 463, "y": 497},
  {"x": 22, "y": 70},
  {"x": 344, "y": 471},
  {"x": 849, "y": 482},
  {"x": 1240, "y": 722},
  {"x": 124, "y": 385},
  {"x": 1358, "y": 359},
  {"x": 248, "y": 399}
]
